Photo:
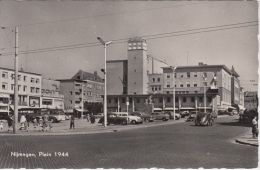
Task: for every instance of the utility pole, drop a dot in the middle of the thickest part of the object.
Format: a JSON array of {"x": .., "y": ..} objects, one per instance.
[{"x": 16, "y": 82}]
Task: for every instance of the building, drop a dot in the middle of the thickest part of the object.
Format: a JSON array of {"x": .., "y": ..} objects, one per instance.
[
  {"x": 29, "y": 89},
  {"x": 131, "y": 76},
  {"x": 82, "y": 92},
  {"x": 51, "y": 97},
  {"x": 235, "y": 88},
  {"x": 251, "y": 100}
]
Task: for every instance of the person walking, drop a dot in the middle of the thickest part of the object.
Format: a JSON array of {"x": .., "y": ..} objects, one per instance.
[
  {"x": 72, "y": 122},
  {"x": 10, "y": 122},
  {"x": 22, "y": 121},
  {"x": 254, "y": 127},
  {"x": 27, "y": 117},
  {"x": 92, "y": 118},
  {"x": 1, "y": 126},
  {"x": 45, "y": 121}
]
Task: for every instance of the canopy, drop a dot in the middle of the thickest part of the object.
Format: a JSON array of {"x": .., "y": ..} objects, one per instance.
[
  {"x": 4, "y": 95},
  {"x": 170, "y": 108},
  {"x": 20, "y": 107},
  {"x": 187, "y": 108},
  {"x": 81, "y": 110},
  {"x": 157, "y": 109}
]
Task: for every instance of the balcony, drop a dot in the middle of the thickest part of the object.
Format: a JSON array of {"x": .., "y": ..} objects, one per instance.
[{"x": 53, "y": 95}]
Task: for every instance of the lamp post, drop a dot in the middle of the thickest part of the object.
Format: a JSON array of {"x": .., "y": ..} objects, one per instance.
[
  {"x": 105, "y": 77},
  {"x": 205, "y": 78},
  {"x": 173, "y": 90}
]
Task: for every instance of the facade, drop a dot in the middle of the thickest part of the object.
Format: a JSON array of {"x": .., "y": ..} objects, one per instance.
[
  {"x": 235, "y": 88},
  {"x": 251, "y": 100},
  {"x": 81, "y": 90},
  {"x": 29, "y": 89},
  {"x": 241, "y": 97},
  {"x": 131, "y": 76},
  {"x": 51, "y": 97}
]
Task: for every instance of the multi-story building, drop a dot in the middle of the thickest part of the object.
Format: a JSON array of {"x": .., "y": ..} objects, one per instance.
[
  {"x": 82, "y": 91},
  {"x": 251, "y": 100},
  {"x": 29, "y": 88},
  {"x": 241, "y": 98},
  {"x": 131, "y": 76},
  {"x": 235, "y": 88},
  {"x": 51, "y": 97}
]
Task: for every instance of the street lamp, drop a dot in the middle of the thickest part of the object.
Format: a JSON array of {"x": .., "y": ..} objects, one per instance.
[
  {"x": 205, "y": 79},
  {"x": 173, "y": 89},
  {"x": 105, "y": 77}
]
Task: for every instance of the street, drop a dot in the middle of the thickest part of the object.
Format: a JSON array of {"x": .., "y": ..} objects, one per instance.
[{"x": 181, "y": 145}]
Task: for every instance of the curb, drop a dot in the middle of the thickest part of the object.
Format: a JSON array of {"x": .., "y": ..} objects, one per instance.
[{"x": 246, "y": 143}]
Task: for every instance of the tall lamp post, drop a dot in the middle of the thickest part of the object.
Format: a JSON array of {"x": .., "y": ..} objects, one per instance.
[
  {"x": 105, "y": 77},
  {"x": 205, "y": 79},
  {"x": 173, "y": 89}
]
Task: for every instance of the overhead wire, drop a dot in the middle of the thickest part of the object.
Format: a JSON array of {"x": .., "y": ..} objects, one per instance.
[{"x": 148, "y": 37}]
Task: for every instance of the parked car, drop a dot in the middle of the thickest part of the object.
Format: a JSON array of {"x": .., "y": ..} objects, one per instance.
[
  {"x": 113, "y": 118},
  {"x": 192, "y": 116},
  {"x": 160, "y": 116},
  {"x": 131, "y": 119},
  {"x": 184, "y": 114},
  {"x": 99, "y": 115},
  {"x": 171, "y": 115},
  {"x": 144, "y": 116},
  {"x": 204, "y": 119}
]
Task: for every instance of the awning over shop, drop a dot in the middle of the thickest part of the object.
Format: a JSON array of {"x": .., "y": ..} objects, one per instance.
[
  {"x": 187, "y": 108},
  {"x": 20, "y": 107},
  {"x": 157, "y": 109},
  {"x": 170, "y": 108},
  {"x": 81, "y": 110},
  {"x": 4, "y": 95}
]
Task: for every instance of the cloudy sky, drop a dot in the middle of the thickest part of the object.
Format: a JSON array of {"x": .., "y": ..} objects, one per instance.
[{"x": 56, "y": 39}]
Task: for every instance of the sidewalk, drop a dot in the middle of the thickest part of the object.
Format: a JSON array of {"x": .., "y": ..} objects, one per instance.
[
  {"x": 82, "y": 126},
  {"x": 247, "y": 139}
]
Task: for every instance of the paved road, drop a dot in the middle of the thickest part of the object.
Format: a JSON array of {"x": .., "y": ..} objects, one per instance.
[{"x": 180, "y": 145}]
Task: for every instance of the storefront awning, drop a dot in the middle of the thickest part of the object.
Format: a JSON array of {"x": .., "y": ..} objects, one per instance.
[
  {"x": 81, "y": 110},
  {"x": 170, "y": 108},
  {"x": 187, "y": 108},
  {"x": 20, "y": 107},
  {"x": 157, "y": 109},
  {"x": 4, "y": 96}
]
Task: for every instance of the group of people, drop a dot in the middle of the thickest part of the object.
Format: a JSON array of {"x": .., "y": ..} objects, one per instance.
[
  {"x": 9, "y": 123},
  {"x": 42, "y": 123}
]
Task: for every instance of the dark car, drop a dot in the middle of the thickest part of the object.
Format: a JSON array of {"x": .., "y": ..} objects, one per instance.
[
  {"x": 192, "y": 116},
  {"x": 115, "y": 119},
  {"x": 160, "y": 116},
  {"x": 205, "y": 119},
  {"x": 184, "y": 114},
  {"x": 171, "y": 115},
  {"x": 144, "y": 116}
]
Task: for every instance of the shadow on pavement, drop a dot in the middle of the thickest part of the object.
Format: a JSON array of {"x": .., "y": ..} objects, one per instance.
[{"x": 234, "y": 124}]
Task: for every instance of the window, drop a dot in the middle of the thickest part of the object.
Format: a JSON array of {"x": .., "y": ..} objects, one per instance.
[
  {"x": 195, "y": 74},
  {"x": 175, "y": 75},
  {"x": 158, "y": 79},
  {"x": 70, "y": 101},
  {"x": 32, "y": 89},
  {"x": 130, "y": 100},
  {"x": 25, "y": 78},
  {"x": 168, "y": 84},
  {"x": 181, "y": 75},
  {"x": 176, "y": 99},
  {"x": 167, "y": 92},
  {"x": 70, "y": 92},
  {"x": 4, "y": 86},
  {"x": 13, "y": 76},
  {"x": 188, "y": 74},
  {"x": 184, "y": 99},
  {"x": 159, "y": 88},
  {"x": 109, "y": 100},
  {"x": 160, "y": 100},
  {"x": 205, "y": 75},
  {"x": 209, "y": 99},
  {"x": 200, "y": 99},
  {"x": 168, "y": 75},
  {"x": 188, "y": 84},
  {"x": 181, "y": 84},
  {"x": 116, "y": 100},
  {"x": 32, "y": 80},
  {"x": 19, "y": 77},
  {"x": 205, "y": 83},
  {"x": 192, "y": 99},
  {"x": 37, "y": 90},
  {"x": 37, "y": 80},
  {"x": 168, "y": 99},
  {"x": 5, "y": 75},
  {"x": 12, "y": 86},
  {"x": 123, "y": 100},
  {"x": 137, "y": 100},
  {"x": 153, "y": 80},
  {"x": 19, "y": 87},
  {"x": 195, "y": 84}
]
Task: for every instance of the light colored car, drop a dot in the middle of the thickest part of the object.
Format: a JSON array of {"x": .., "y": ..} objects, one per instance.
[
  {"x": 160, "y": 116},
  {"x": 171, "y": 115},
  {"x": 145, "y": 117},
  {"x": 131, "y": 119}
]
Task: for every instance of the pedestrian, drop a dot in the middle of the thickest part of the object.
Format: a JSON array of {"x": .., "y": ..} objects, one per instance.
[
  {"x": 1, "y": 126},
  {"x": 45, "y": 121},
  {"x": 92, "y": 118},
  {"x": 22, "y": 121},
  {"x": 27, "y": 117},
  {"x": 88, "y": 117},
  {"x": 254, "y": 127},
  {"x": 72, "y": 122},
  {"x": 10, "y": 122},
  {"x": 40, "y": 124},
  {"x": 26, "y": 128},
  {"x": 35, "y": 124}
]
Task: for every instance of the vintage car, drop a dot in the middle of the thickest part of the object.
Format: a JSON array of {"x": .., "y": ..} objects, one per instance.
[
  {"x": 171, "y": 115},
  {"x": 184, "y": 114},
  {"x": 144, "y": 116},
  {"x": 99, "y": 115},
  {"x": 160, "y": 116},
  {"x": 192, "y": 116},
  {"x": 130, "y": 119},
  {"x": 114, "y": 119},
  {"x": 205, "y": 119}
]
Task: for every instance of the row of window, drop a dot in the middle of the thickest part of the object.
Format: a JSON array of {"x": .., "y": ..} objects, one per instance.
[
  {"x": 168, "y": 100},
  {"x": 24, "y": 89},
  {"x": 33, "y": 80},
  {"x": 188, "y": 75},
  {"x": 98, "y": 87}
]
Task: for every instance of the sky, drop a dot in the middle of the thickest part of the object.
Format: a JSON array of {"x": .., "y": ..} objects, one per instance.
[{"x": 56, "y": 39}]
